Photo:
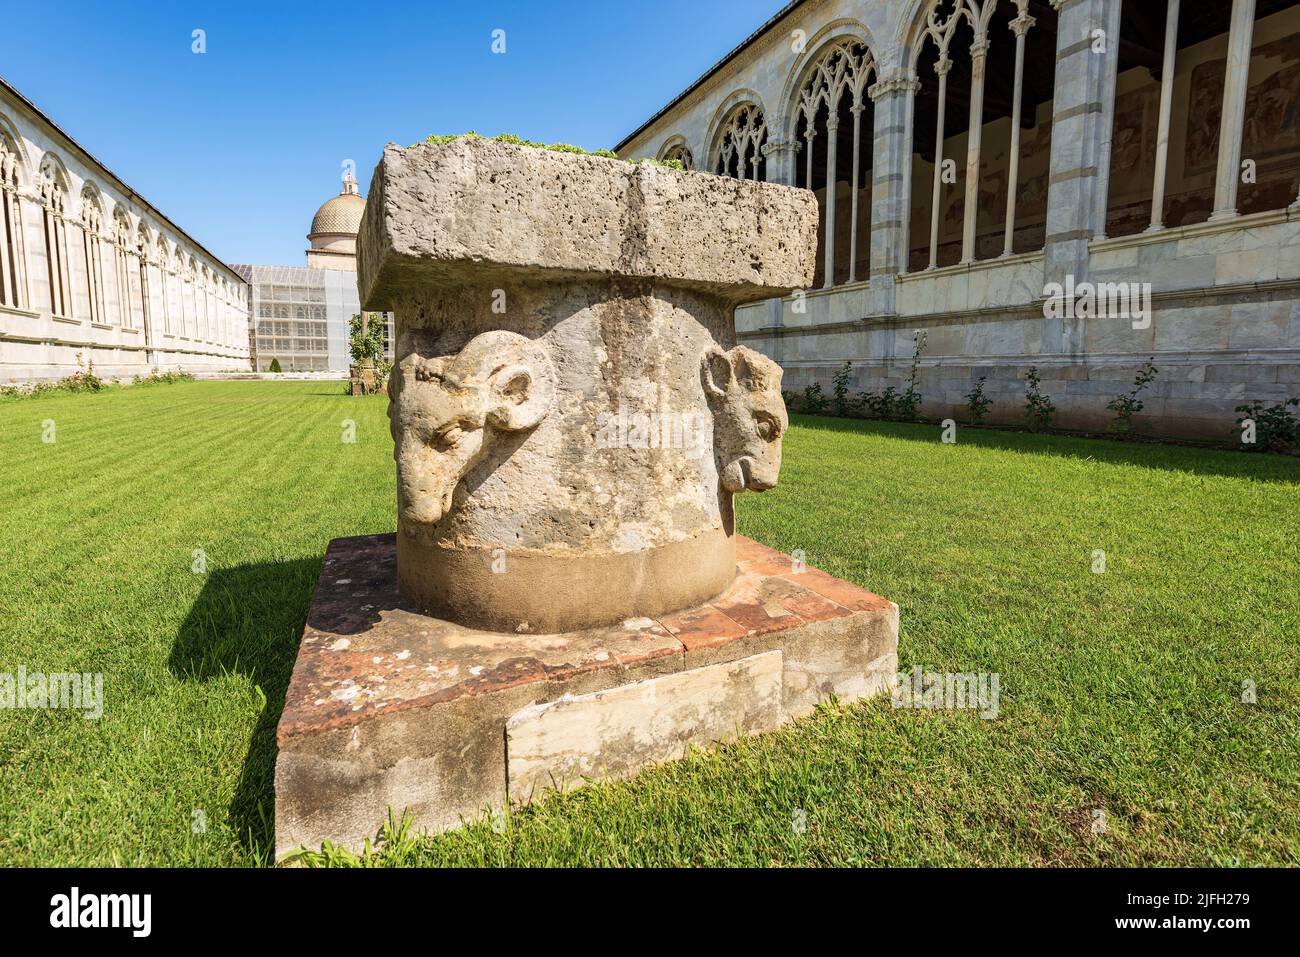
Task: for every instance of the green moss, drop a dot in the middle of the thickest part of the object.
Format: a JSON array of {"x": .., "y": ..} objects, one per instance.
[{"x": 513, "y": 140}]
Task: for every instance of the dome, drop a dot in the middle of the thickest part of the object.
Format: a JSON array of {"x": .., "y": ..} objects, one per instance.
[{"x": 342, "y": 214}]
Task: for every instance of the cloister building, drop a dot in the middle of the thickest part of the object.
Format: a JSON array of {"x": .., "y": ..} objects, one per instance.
[
  {"x": 1001, "y": 175},
  {"x": 91, "y": 272}
]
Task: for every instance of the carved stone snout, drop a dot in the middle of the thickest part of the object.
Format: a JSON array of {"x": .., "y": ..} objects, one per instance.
[
  {"x": 446, "y": 411},
  {"x": 749, "y": 417}
]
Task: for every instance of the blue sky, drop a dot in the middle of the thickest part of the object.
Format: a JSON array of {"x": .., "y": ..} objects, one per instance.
[{"x": 239, "y": 145}]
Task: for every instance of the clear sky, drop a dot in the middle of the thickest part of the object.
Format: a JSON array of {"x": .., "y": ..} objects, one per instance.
[{"x": 240, "y": 144}]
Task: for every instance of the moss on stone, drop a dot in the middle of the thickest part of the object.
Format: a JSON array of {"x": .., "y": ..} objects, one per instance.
[{"x": 513, "y": 140}]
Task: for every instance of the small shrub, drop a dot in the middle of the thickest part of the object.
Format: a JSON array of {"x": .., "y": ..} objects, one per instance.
[
  {"x": 977, "y": 403},
  {"x": 814, "y": 400},
  {"x": 275, "y": 366},
  {"x": 1038, "y": 406},
  {"x": 843, "y": 404},
  {"x": 1127, "y": 404},
  {"x": 881, "y": 405},
  {"x": 1276, "y": 429},
  {"x": 909, "y": 403}
]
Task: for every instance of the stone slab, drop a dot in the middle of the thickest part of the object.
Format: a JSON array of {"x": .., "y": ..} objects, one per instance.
[
  {"x": 613, "y": 734},
  {"x": 391, "y": 709},
  {"x": 436, "y": 212}
]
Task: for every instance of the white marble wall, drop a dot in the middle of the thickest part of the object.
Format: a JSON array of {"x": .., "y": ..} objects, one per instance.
[
  {"x": 204, "y": 326},
  {"x": 1225, "y": 328}
]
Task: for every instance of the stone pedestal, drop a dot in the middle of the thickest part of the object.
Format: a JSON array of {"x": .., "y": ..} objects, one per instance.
[
  {"x": 391, "y": 709},
  {"x": 565, "y": 598}
]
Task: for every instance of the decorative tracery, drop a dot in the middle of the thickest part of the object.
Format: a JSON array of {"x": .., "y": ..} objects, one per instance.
[
  {"x": 843, "y": 70},
  {"x": 740, "y": 148},
  {"x": 53, "y": 192},
  {"x": 13, "y": 282},
  {"x": 682, "y": 154}
]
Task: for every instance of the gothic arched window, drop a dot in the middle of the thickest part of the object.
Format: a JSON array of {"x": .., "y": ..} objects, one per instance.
[
  {"x": 740, "y": 144},
  {"x": 13, "y": 262},
  {"x": 833, "y": 97},
  {"x": 54, "y": 206}
]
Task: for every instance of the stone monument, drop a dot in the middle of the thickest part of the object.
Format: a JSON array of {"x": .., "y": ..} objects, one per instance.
[{"x": 566, "y": 597}]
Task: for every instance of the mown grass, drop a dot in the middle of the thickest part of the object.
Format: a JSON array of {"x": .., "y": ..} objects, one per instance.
[{"x": 1120, "y": 692}]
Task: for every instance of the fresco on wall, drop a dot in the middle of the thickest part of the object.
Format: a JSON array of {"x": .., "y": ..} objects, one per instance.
[{"x": 1272, "y": 124}]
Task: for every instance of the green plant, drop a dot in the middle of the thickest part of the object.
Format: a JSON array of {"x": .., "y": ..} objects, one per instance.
[
  {"x": 1038, "y": 406},
  {"x": 977, "y": 403},
  {"x": 909, "y": 403},
  {"x": 814, "y": 401},
  {"x": 880, "y": 405},
  {"x": 1127, "y": 404},
  {"x": 366, "y": 337},
  {"x": 1273, "y": 428},
  {"x": 843, "y": 404},
  {"x": 275, "y": 366}
]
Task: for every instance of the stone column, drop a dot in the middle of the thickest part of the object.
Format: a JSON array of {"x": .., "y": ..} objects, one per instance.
[
  {"x": 808, "y": 153},
  {"x": 853, "y": 191},
  {"x": 1019, "y": 26},
  {"x": 832, "y": 141},
  {"x": 570, "y": 412},
  {"x": 942, "y": 67},
  {"x": 1080, "y": 114},
  {"x": 891, "y": 199},
  {"x": 1235, "y": 88},
  {"x": 1082, "y": 110},
  {"x": 1110, "y": 22},
  {"x": 1166, "y": 108},
  {"x": 979, "y": 54},
  {"x": 781, "y": 156}
]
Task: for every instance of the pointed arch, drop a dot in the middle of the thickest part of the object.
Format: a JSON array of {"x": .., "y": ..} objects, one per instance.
[
  {"x": 52, "y": 188},
  {"x": 13, "y": 257},
  {"x": 828, "y": 96},
  {"x": 676, "y": 148},
  {"x": 737, "y": 136},
  {"x": 92, "y": 258}
]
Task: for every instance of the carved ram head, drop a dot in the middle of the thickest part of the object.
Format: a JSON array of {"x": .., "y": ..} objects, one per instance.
[
  {"x": 749, "y": 417},
  {"x": 446, "y": 411}
]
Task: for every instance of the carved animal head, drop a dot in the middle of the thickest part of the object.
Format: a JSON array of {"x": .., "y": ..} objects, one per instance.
[
  {"x": 749, "y": 417},
  {"x": 445, "y": 412}
]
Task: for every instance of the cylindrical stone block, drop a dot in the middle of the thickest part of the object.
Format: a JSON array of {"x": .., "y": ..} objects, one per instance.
[{"x": 570, "y": 414}]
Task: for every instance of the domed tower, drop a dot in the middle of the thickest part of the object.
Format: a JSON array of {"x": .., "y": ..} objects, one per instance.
[{"x": 333, "y": 235}]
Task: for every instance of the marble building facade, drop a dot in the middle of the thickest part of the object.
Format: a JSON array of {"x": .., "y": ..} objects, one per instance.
[
  {"x": 985, "y": 155},
  {"x": 91, "y": 272}
]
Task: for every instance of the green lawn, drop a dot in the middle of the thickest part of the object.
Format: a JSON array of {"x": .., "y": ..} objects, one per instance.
[{"x": 1120, "y": 692}]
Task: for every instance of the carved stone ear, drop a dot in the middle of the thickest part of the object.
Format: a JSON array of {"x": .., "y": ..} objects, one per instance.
[
  {"x": 715, "y": 372},
  {"x": 520, "y": 394}
]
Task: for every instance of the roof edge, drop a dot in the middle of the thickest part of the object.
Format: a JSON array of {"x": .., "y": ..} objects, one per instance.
[
  {"x": 744, "y": 44},
  {"x": 122, "y": 184}
]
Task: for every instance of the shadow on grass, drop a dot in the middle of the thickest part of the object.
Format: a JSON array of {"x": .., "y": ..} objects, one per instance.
[
  {"x": 248, "y": 620},
  {"x": 1260, "y": 467}
]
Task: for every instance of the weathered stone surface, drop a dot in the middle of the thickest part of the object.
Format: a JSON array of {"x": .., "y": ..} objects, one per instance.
[
  {"x": 572, "y": 416},
  {"x": 388, "y": 708},
  {"x": 612, "y": 734},
  {"x": 512, "y": 212}
]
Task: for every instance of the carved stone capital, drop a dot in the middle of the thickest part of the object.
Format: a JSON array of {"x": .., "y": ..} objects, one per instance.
[
  {"x": 893, "y": 85},
  {"x": 570, "y": 415},
  {"x": 1021, "y": 25}
]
